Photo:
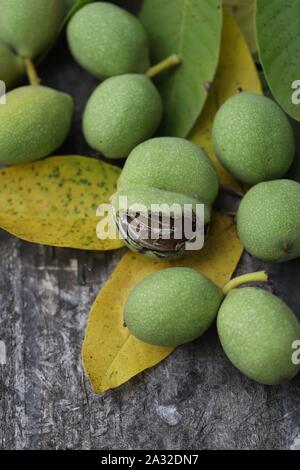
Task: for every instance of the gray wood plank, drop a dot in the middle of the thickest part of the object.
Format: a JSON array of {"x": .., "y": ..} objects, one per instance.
[{"x": 194, "y": 400}]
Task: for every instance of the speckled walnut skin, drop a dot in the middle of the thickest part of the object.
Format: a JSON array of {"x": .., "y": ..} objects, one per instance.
[
  {"x": 172, "y": 307},
  {"x": 108, "y": 41},
  {"x": 253, "y": 138},
  {"x": 35, "y": 121},
  {"x": 268, "y": 221},
  {"x": 29, "y": 26},
  {"x": 257, "y": 331},
  {"x": 121, "y": 113}
]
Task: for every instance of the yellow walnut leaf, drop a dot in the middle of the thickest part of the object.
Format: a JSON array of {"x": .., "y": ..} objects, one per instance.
[
  {"x": 110, "y": 354},
  {"x": 54, "y": 201},
  {"x": 244, "y": 12},
  {"x": 236, "y": 72}
]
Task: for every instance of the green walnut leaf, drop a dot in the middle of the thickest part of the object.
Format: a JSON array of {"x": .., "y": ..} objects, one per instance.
[
  {"x": 278, "y": 36},
  {"x": 192, "y": 30}
]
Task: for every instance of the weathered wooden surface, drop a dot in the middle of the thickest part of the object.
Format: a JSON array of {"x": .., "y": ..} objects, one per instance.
[{"x": 194, "y": 400}]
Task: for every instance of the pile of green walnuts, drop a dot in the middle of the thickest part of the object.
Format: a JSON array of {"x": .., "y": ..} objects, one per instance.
[{"x": 253, "y": 140}]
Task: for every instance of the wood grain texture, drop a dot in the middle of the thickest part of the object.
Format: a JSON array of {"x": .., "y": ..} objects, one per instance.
[{"x": 194, "y": 400}]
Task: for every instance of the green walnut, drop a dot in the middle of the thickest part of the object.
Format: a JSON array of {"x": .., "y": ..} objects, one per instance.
[
  {"x": 177, "y": 305},
  {"x": 121, "y": 113},
  {"x": 29, "y": 26},
  {"x": 164, "y": 171},
  {"x": 172, "y": 307},
  {"x": 34, "y": 122},
  {"x": 253, "y": 138},
  {"x": 258, "y": 333},
  {"x": 107, "y": 41},
  {"x": 268, "y": 221},
  {"x": 11, "y": 66}
]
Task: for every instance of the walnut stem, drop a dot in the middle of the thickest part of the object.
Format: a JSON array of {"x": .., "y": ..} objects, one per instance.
[
  {"x": 260, "y": 276},
  {"x": 31, "y": 72},
  {"x": 166, "y": 64}
]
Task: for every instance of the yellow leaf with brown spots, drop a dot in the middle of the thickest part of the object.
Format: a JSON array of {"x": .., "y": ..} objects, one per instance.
[
  {"x": 244, "y": 13},
  {"x": 54, "y": 201}
]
